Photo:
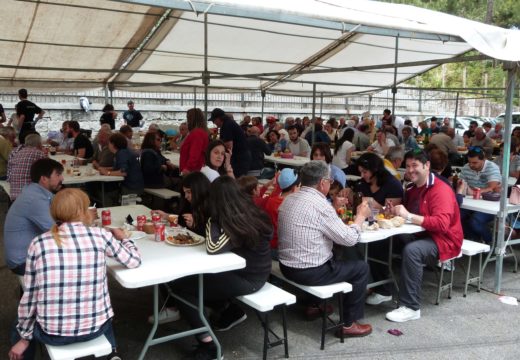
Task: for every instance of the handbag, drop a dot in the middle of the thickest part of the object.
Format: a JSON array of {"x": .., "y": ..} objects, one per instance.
[
  {"x": 514, "y": 198},
  {"x": 491, "y": 196}
]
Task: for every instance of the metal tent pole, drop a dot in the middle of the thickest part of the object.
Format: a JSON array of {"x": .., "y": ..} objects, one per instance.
[
  {"x": 321, "y": 104},
  {"x": 205, "y": 75},
  {"x": 500, "y": 248},
  {"x": 394, "y": 87},
  {"x": 263, "y": 103},
  {"x": 456, "y": 109},
  {"x": 194, "y": 97},
  {"x": 313, "y": 119},
  {"x": 106, "y": 93}
]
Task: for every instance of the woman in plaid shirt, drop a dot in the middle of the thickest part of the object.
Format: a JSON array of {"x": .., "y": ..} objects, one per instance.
[{"x": 66, "y": 297}]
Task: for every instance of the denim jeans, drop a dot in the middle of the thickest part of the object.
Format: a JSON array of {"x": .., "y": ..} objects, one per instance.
[{"x": 475, "y": 225}]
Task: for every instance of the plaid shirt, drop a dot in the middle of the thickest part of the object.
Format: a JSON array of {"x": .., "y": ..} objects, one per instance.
[
  {"x": 19, "y": 167},
  {"x": 66, "y": 287}
]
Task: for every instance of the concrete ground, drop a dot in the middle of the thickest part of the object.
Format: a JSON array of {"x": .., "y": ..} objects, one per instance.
[{"x": 476, "y": 327}]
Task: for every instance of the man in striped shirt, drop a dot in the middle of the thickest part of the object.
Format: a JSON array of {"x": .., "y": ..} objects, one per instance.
[
  {"x": 484, "y": 175},
  {"x": 308, "y": 226}
]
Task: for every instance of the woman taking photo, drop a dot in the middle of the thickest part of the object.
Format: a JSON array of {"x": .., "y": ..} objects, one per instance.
[
  {"x": 235, "y": 225},
  {"x": 50, "y": 310},
  {"x": 217, "y": 160},
  {"x": 125, "y": 164},
  {"x": 194, "y": 147},
  {"x": 157, "y": 170},
  {"x": 343, "y": 150},
  {"x": 321, "y": 151}
]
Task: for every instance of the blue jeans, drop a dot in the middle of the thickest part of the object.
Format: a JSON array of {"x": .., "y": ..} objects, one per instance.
[{"x": 475, "y": 225}]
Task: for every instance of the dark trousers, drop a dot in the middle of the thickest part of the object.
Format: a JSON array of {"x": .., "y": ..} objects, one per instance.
[
  {"x": 475, "y": 225},
  {"x": 218, "y": 289},
  {"x": 354, "y": 272},
  {"x": 415, "y": 254}
]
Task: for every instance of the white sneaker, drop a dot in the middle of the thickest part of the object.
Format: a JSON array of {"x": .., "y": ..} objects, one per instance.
[
  {"x": 167, "y": 315},
  {"x": 403, "y": 314},
  {"x": 376, "y": 299}
]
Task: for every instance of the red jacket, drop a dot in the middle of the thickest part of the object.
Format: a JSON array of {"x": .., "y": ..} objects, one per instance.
[
  {"x": 441, "y": 214},
  {"x": 193, "y": 150}
]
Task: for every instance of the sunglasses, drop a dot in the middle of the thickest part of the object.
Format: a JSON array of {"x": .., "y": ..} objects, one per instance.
[{"x": 476, "y": 149}]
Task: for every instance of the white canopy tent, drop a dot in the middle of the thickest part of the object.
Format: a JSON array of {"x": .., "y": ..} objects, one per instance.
[{"x": 334, "y": 47}]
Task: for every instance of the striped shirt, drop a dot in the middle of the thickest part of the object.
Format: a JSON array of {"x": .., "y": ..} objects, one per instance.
[
  {"x": 480, "y": 179},
  {"x": 307, "y": 228},
  {"x": 66, "y": 287}
]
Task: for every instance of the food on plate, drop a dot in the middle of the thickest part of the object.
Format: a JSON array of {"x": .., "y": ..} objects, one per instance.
[
  {"x": 373, "y": 226},
  {"x": 380, "y": 216},
  {"x": 181, "y": 239},
  {"x": 385, "y": 223},
  {"x": 398, "y": 221},
  {"x": 148, "y": 227}
]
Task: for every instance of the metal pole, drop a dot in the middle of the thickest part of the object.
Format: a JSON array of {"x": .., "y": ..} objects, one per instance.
[
  {"x": 394, "y": 87},
  {"x": 194, "y": 97},
  {"x": 500, "y": 248},
  {"x": 263, "y": 101},
  {"x": 106, "y": 93},
  {"x": 321, "y": 104},
  {"x": 456, "y": 109},
  {"x": 313, "y": 120},
  {"x": 369, "y": 104},
  {"x": 205, "y": 76}
]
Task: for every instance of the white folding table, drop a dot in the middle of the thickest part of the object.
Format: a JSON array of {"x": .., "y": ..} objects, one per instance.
[{"x": 162, "y": 263}]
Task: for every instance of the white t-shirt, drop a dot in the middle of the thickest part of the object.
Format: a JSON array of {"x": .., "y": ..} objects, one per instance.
[
  {"x": 378, "y": 149},
  {"x": 340, "y": 159},
  {"x": 210, "y": 173}
]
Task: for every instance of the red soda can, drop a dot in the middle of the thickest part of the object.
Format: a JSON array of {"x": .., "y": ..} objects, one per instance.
[
  {"x": 106, "y": 217},
  {"x": 141, "y": 220},
  {"x": 476, "y": 193},
  {"x": 156, "y": 217},
  {"x": 159, "y": 231}
]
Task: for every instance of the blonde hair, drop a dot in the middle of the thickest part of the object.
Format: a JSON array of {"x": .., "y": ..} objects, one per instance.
[{"x": 69, "y": 205}]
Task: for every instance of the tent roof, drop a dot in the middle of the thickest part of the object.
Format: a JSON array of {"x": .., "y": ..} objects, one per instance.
[{"x": 344, "y": 46}]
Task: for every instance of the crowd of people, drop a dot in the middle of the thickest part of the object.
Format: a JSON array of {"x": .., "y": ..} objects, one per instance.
[{"x": 49, "y": 232}]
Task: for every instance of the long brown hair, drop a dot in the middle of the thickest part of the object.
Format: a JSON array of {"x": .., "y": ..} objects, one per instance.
[{"x": 69, "y": 205}]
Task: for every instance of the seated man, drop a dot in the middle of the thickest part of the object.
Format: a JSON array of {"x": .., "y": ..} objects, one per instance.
[
  {"x": 481, "y": 140},
  {"x": 393, "y": 159},
  {"x": 29, "y": 215},
  {"x": 485, "y": 175},
  {"x": 430, "y": 203},
  {"x": 308, "y": 226},
  {"x": 297, "y": 145}
]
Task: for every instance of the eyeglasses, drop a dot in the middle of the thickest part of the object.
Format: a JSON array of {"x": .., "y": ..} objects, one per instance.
[
  {"x": 476, "y": 149},
  {"x": 329, "y": 179}
]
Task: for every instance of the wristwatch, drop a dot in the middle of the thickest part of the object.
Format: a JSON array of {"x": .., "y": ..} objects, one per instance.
[{"x": 409, "y": 217}]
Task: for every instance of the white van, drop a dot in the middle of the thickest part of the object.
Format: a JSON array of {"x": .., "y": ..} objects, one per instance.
[{"x": 515, "y": 115}]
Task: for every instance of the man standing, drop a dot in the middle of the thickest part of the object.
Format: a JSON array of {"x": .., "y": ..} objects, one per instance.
[
  {"x": 429, "y": 202},
  {"x": 235, "y": 141},
  {"x": 26, "y": 111},
  {"x": 308, "y": 226},
  {"x": 258, "y": 149},
  {"x": 482, "y": 174},
  {"x": 131, "y": 116},
  {"x": 20, "y": 162},
  {"x": 82, "y": 147},
  {"x": 297, "y": 145},
  {"x": 29, "y": 215}
]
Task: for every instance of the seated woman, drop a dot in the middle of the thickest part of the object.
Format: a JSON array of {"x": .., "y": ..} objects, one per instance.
[
  {"x": 274, "y": 142},
  {"x": 235, "y": 225},
  {"x": 50, "y": 310},
  {"x": 321, "y": 151},
  {"x": 380, "y": 187},
  {"x": 218, "y": 161},
  {"x": 125, "y": 165},
  {"x": 343, "y": 150},
  {"x": 157, "y": 170}
]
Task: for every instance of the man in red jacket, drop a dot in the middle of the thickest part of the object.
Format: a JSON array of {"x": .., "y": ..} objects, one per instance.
[{"x": 430, "y": 203}]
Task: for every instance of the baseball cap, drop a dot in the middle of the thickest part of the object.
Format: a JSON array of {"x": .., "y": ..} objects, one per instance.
[
  {"x": 287, "y": 178},
  {"x": 271, "y": 119},
  {"x": 217, "y": 113}
]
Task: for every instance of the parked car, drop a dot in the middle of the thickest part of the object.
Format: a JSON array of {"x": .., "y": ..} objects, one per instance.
[{"x": 516, "y": 118}]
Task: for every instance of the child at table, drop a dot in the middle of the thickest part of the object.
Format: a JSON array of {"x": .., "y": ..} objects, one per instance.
[{"x": 65, "y": 268}]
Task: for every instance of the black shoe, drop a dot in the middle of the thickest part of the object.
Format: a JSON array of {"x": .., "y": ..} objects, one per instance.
[
  {"x": 230, "y": 318},
  {"x": 206, "y": 351},
  {"x": 113, "y": 356}
]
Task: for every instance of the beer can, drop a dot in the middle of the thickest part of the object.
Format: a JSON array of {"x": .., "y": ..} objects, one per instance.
[
  {"x": 106, "y": 217},
  {"x": 141, "y": 220},
  {"x": 159, "y": 231},
  {"x": 476, "y": 193}
]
